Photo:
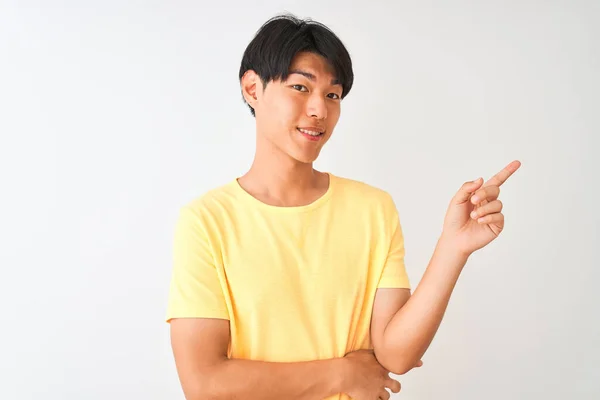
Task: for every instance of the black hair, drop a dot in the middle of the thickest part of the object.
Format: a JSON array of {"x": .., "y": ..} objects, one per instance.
[{"x": 276, "y": 43}]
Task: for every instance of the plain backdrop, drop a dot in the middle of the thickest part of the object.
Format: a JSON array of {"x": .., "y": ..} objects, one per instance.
[{"x": 114, "y": 114}]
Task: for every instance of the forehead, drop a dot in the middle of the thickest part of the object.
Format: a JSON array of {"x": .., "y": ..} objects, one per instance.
[{"x": 313, "y": 63}]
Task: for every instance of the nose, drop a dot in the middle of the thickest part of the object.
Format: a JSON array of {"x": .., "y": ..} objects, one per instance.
[{"x": 316, "y": 107}]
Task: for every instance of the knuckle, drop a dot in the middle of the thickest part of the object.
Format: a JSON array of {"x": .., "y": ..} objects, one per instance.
[{"x": 394, "y": 386}]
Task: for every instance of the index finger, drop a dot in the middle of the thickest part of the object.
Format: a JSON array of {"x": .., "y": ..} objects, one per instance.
[{"x": 502, "y": 176}]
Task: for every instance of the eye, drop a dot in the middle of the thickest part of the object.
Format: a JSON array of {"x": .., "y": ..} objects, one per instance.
[
  {"x": 300, "y": 88},
  {"x": 333, "y": 96}
]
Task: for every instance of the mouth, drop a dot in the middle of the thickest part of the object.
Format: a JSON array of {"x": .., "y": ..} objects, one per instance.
[{"x": 312, "y": 133}]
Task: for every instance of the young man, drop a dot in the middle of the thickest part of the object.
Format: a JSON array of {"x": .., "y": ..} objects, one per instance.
[{"x": 288, "y": 282}]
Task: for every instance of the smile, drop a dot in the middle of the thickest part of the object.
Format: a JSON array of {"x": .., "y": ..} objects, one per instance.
[{"x": 310, "y": 132}]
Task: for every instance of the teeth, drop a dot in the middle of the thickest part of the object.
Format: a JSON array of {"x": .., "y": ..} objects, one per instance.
[{"x": 311, "y": 133}]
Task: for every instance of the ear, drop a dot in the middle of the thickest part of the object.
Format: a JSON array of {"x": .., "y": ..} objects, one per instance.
[{"x": 250, "y": 87}]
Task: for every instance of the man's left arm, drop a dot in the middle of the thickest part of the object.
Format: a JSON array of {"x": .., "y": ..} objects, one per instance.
[{"x": 403, "y": 325}]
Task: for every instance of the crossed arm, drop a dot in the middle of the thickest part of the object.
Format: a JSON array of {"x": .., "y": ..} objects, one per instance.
[
  {"x": 200, "y": 350},
  {"x": 402, "y": 328}
]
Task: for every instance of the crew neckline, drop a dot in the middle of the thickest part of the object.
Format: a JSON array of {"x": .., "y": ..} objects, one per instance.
[{"x": 249, "y": 199}]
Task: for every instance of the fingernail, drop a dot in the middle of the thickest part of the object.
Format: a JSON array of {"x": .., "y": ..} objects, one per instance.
[
  {"x": 475, "y": 199},
  {"x": 474, "y": 214}
]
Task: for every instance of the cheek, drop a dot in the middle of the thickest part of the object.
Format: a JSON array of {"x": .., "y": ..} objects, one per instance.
[
  {"x": 289, "y": 111},
  {"x": 333, "y": 115}
]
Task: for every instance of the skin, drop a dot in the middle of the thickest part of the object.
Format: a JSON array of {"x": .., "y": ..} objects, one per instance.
[
  {"x": 282, "y": 174},
  {"x": 403, "y": 325}
]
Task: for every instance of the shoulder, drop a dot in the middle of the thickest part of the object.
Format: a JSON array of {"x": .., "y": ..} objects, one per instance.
[
  {"x": 213, "y": 198},
  {"x": 366, "y": 194},
  {"x": 211, "y": 205}
]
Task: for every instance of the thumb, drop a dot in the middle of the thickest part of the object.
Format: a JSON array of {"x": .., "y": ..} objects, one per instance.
[{"x": 466, "y": 190}]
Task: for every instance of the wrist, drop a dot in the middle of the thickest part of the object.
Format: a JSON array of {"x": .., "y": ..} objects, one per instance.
[
  {"x": 448, "y": 247},
  {"x": 341, "y": 374}
]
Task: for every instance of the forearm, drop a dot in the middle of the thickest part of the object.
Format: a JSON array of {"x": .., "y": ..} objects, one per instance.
[
  {"x": 245, "y": 379},
  {"x": 412, "y": 328}
]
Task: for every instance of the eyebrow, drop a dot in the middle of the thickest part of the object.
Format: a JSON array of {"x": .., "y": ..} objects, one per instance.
[{"x": 311, "y": 76}]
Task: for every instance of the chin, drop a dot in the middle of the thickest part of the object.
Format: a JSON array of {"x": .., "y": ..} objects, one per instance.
[{"x": 305, "y": 158}]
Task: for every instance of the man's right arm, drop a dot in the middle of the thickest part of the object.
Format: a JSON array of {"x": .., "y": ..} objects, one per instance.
[{"x": 200, "y": 350}]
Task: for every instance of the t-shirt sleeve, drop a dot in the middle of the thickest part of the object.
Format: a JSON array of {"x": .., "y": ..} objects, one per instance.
[
  {"x": 394, "y": 273},
  {"x": 195, "y": 290}
]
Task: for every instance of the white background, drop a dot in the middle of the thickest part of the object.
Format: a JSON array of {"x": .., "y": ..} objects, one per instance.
[{"x": 114, "y": 114}]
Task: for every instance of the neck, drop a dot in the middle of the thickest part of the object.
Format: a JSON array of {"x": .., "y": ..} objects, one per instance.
[{"x": 277, "y": 179}]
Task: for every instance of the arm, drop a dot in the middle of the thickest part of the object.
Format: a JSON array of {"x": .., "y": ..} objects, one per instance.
[
  {"x": 200, "y": 350},
  {"x": 403, "y": 326},
  {"x": 200, "y": 337},
  {"x": 402, "y": 333}
]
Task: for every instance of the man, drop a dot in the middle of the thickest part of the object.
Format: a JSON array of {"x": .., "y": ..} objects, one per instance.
[{"x": 288, "y": 282}]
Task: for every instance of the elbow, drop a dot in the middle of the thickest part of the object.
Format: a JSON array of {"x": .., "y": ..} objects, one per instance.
[
  {"x": 396, "y": 367},
  {"x": 397, "y": 363},
  {"x": 400, "y": 369}
]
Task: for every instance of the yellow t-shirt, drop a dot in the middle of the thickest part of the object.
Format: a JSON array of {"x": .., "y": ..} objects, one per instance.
[{"x": 295, "y": 283}]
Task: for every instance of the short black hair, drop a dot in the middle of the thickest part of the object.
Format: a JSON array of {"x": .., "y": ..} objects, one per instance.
[{"x": 277, "y": 42}]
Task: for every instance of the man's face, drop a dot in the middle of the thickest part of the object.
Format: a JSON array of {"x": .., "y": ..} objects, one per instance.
[{"x": 298, "y": 116}]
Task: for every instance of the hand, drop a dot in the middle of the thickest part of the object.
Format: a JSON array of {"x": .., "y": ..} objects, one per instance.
[
  {"x": 366, "y": 379},
  {"x": 474, "y": 216}
]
